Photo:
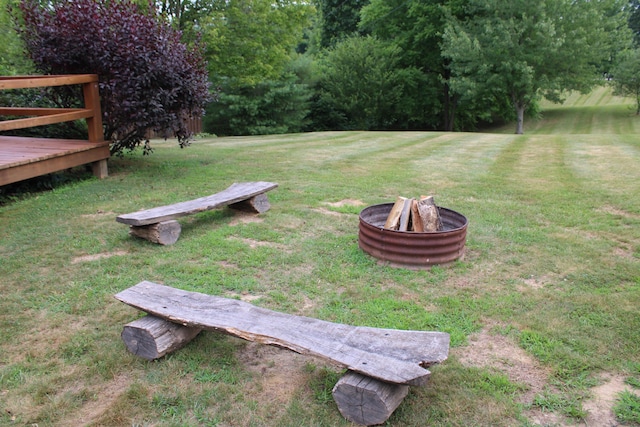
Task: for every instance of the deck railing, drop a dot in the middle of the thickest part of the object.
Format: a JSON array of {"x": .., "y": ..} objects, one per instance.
[
  {"x": 27, "y": 157},
  {"x": 46, "y": 116}
]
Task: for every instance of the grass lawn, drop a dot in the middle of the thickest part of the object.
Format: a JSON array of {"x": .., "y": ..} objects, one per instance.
[{"x": 543, "y": 311}]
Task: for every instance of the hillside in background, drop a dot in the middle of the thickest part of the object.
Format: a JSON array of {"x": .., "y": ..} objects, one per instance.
[{"x": 598, "y": 112}]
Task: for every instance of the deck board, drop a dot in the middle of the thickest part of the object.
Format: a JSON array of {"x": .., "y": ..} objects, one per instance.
[{"x": 23, "y": 158}]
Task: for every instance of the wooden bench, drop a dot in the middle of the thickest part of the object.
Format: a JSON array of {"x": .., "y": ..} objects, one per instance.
[
  {"x": 381, "y": 363},
  {"x": 159, "y": 224}
]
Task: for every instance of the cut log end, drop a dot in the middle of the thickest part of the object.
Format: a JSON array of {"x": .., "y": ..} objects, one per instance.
[
  {"x": 365, "y": 400},
  {"x": 151, "y": 337},
  {"x": 256, "y": 204},
  {"x": 163, "y": 233},
  {"x": 393, "y": 220}
]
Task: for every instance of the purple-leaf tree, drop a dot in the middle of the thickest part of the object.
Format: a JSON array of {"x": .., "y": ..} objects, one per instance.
[{"x": 149, "y": 79}]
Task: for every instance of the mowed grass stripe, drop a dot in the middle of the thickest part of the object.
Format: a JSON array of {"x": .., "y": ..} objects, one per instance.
[
  {"x": 599, "y": 96},
  {"x": 465, "y": 157},
  {"x": 599, "y": 112},
  {"x": 610, "y": 166},
  {"x": 371, "y": 147}
]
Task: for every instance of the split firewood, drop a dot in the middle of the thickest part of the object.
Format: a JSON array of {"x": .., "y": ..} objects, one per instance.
[
  {"x": 416, "y": 221},
  {"x": 408, "y": 214},
  {"x": 428, "y": 214},
  {"x": 393, "y": 220},
  {"x": 405, "y": 216}
]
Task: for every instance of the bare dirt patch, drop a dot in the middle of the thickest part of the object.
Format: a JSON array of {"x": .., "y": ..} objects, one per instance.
[
  {"x": 604, "y": 398},
  {"x": 105, "y": 396},
  {"x": 244, "y": 218},
  {"x": 501, "y": 353},
  {"x": 487, "y": 350},
  {"x": 538, "y": 282},
  {"x": 259, "y": 243},
  {"x": 228, "y": 265},
  {"x": 346, "y": 202},
  {"x": 498, "y": 352},
  {"x": 618, "y": 212},
  {"x": 99, "y": 213},
  {"x": 338, "y": 204},
  {"x": 246, "y": 297},
  {"x": 95, "y": 257},
  {"x": 280, "y": 372},
  {"x": 624, "y": 252},
  {"x": 325, "y": 211}
]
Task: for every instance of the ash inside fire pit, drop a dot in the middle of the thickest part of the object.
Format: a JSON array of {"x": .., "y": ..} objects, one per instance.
[{"x": 409, "y": 249}]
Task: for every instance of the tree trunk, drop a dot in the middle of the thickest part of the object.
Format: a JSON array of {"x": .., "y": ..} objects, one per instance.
[
  {"x": 520, "y": 108},
  {"x": 449, "y": 104}
]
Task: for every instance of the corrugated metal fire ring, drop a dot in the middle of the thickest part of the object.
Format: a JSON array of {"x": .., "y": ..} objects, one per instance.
[{"x": 412, "y": 250}]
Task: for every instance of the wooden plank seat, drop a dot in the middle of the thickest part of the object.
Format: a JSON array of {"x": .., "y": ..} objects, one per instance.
[
  {"x": 381, "y": 363},
  {"x": 159, "y": 224}
]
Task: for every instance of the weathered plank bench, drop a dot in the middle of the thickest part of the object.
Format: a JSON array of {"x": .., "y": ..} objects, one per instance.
[
  {"x": 159, "y": 224},
  {"x": 381, "y": 363}
]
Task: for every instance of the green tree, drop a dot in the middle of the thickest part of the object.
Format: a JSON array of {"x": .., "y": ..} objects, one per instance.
[
  {"x": 416, "y": 27},
  {"x": 188, "y": 15},
  {"x": 12, "y": 58},
  {"x": 250, "y": 41},
  {"x": 626, "y": 76},
  {"x": 634, "y": 19},
  {"x": 250, "y": 44},
  {"x": 269, "y": 107},
  {"x": 363, "y": 84},
  {"x": 339, "y": 19},
  {"x": 518, "y": 50}
]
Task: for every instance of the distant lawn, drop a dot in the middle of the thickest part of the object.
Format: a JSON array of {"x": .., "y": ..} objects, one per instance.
[
  {"x": 543, "y": 310},
  {"x": 595, "y": 113}
]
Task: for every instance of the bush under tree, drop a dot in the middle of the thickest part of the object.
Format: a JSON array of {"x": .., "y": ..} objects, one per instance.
[
  {"x": 149, "y": 79},
  {"x": 626, "y": 76}
]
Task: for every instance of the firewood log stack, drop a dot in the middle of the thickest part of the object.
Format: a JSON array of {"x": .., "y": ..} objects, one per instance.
[{"x": 409, "y": 214}]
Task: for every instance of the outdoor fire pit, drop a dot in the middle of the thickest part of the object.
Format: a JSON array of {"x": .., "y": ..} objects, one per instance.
[{"x": 409, "y": 249}]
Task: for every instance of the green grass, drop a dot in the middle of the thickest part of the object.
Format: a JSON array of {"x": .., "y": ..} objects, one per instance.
[{"x": 552, "y": 268}]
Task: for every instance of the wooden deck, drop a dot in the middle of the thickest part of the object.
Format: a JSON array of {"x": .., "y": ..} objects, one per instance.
[{"x": 23, "y": 158}]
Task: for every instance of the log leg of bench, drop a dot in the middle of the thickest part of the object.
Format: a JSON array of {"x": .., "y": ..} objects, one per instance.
[
  {"x": 365, "y": 400},
  {"x": 151, "y": 337},
  {"x": 257, "y": 204},
  {"x": 163, "y": 233}
]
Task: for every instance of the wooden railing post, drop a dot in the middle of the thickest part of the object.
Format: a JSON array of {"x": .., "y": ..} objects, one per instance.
[{"x": 92, "y": 102}]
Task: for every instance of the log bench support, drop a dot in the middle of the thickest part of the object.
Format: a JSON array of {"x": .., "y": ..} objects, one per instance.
[
  {"x": 151, "y": 337},
  {"x": 365, "y": 400},
  {"x": 381, "y": 363},
  {"x": 159, "y": 225}
]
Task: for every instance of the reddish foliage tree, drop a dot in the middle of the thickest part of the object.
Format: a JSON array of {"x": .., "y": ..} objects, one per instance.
[{"x": 149, "y": 79}]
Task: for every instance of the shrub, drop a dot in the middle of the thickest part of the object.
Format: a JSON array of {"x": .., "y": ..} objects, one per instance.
[
  {"x": 364, "y": 87},
  {"x": 269, "y": 107},
  {"x": 149, "y": 79}
]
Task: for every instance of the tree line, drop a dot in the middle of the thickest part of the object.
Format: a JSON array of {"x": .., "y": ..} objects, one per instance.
[{"x": 283, "y": 66}]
